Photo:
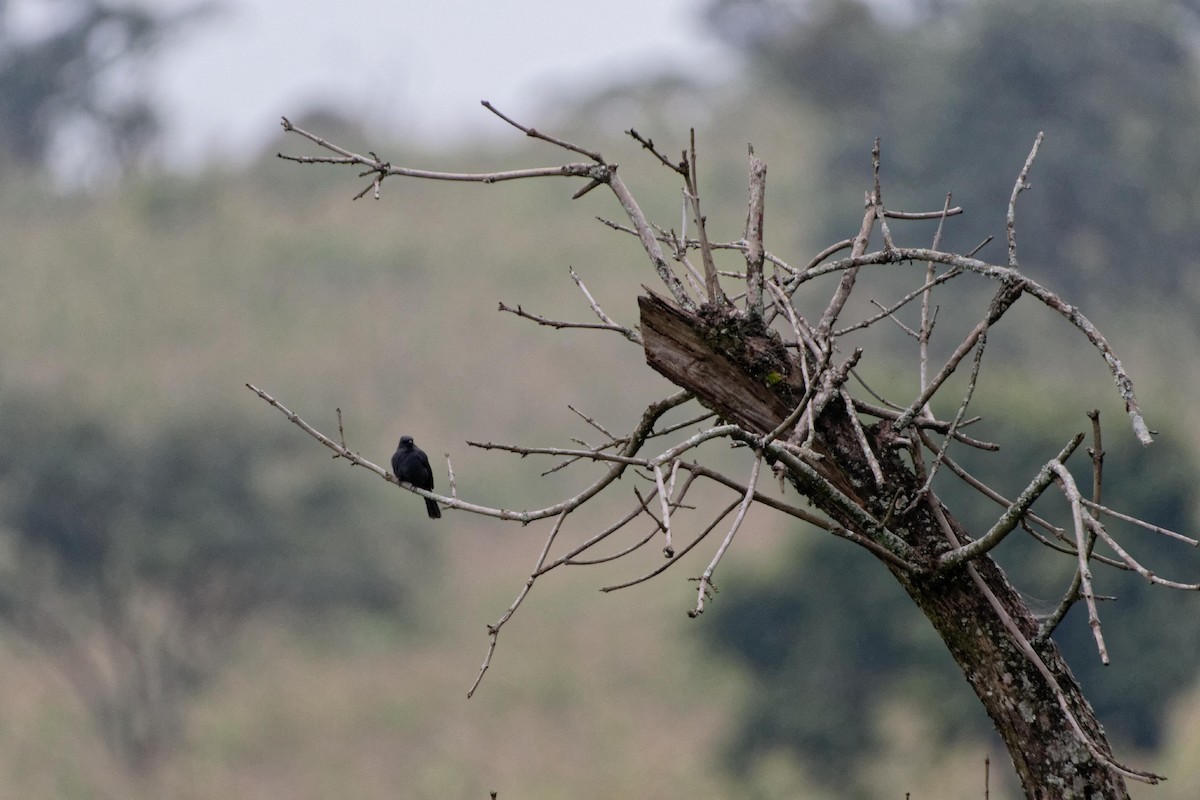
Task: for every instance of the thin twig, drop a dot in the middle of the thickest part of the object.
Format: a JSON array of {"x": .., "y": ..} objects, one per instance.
[
  {"x": 1067, "y": 481},
  {"x": 560, "y": 324},
  {"x": 860, "y": 435},
  {"x": 1140, "y": 523},
  {"x": 938, "y": 215},
  {"x": 921, "y": 423},
  {"x": 592, "y": 422},
  {"x": 536, "y": 134},
  {"x": 648, "y": 144},
  {"x": 958, "y": 415},
  {"x": 846, "y": 283},
  {"x": 1072, "y": 594},
  {"x": 712, "y": 286},
  {"x": 705, "y": 579},
  {"x": 629, "y": 334},
  {"x": 927, "y": 313},
  {"x": 1021, "y": 185},
  {"x": 754, "y": 236},
  {"x": 1001, "y": 302},
  {"x": 450, "y": 476},
  {"x": 494, "y": 630},
  {"x": 1136, "y": 566},
  {"x": 687, "y": 548},
  {"x": 664, "y": 499},
  {"x": 903, "y": 301}
]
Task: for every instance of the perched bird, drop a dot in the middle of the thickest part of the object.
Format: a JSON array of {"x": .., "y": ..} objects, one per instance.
[{"x": 411, "y": 465}]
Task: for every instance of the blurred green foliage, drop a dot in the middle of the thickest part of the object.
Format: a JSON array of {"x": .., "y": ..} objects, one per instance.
[
  {"x": 958, "y": 90},
  {"x": 73, "y": 100},
  {"x": 135, "y": 564}
]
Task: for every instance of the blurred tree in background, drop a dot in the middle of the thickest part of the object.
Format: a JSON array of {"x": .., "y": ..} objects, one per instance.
[
  {"x": 74, "y": 98},
  {"x": 956, "y": 88},
  {"x": 134, "y": 566}
]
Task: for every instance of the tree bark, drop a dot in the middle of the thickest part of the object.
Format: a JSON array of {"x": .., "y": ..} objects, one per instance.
[{"x": 743, "y": 373}]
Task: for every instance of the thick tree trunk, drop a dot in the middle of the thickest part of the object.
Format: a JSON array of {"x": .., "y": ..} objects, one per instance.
[{"x": 745, "y": 374}]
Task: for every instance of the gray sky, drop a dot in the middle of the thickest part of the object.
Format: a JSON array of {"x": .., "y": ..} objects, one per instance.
[{"x": 417, "y": 67}]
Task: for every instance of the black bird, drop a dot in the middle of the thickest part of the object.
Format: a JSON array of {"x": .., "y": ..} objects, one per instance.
[{"x": 411, "y": 465}]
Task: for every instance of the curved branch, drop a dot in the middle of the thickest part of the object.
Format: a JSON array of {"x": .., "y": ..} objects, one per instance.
[
  {"x": 524, "y": 517},
  {"x": 1010, "y": 276}
]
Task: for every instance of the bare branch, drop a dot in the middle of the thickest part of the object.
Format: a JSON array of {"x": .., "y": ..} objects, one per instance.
[
  {"x": 629, "y": 334},
  {"x": 450, "y": 476},
  {"x": 1013, "y": 278},
  {"x": 648, "y": 144},
  {"x": 650, "y": 242},
  {"x": 1140, "y": 523},
  {"x": 494, "y": 629},
  {"x": 1072, "y": 594},
  {"x": 1020, "y": 186},
  {"x": 1101, "y": 533},
  {"x": 706, "y": 577},
  {"x": 664, "y": 567},
  {"x": 938, "y": 215},
  {"x": 682, "y": 243},
  {"x": 928, "y": 314},
  {"x": 615, "y": 470},
  {"x": 664, "y": 499},
  {"x": 712, "y": 286},
  {"x": 1009, "y": 519},
  {"x": 1083, "y": 548},
  {"x": 820, "y": 257},
  {"x": 385, "y": 169},
  {"x": 1005, "y": 297},
  {"x": 921, "y": 423},
  {"x": 962, "y": 410},
  {"x": 849, "y": 275},
  {"x": 592, "y": 422},
  {"x": 536, "y": 134},
  {"x": 570, "y": 558},
  {"x": 754, "y": 236},
  {"x": 554, "y": 323},
  {"x": 903, "y": 301},
  {"x": 861, "y": 435},
  {"x": 598, "y": 172},
  {"x": 1030, "y": 517}
]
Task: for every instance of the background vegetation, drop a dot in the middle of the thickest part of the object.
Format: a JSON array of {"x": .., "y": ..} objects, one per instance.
[{"x": 198, "y": 603}]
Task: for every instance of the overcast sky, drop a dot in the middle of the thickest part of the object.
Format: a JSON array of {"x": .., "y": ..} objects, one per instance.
[{"x": 419, "y": 67}]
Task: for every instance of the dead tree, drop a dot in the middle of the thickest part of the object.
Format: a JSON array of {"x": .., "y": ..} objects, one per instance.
[{"x": 762, "y": 376}]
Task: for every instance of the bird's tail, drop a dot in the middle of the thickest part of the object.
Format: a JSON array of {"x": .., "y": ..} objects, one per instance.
[{"x": 431, "y": 508}]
